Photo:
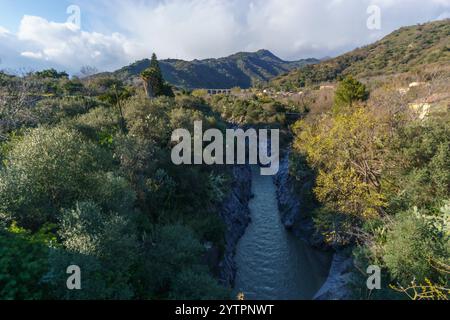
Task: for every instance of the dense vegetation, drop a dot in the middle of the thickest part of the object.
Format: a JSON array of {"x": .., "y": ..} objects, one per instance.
[
  {"x": 407, "y": 49},
  {"x": 86, "y": 179},
  {"x": 86, "y": 176},
  {"x": 239, "y": 70},
  {"x": 382, "y": 186}
]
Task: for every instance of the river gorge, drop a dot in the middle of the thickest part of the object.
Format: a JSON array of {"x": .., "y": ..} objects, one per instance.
[{"x": 271, "y": 262}]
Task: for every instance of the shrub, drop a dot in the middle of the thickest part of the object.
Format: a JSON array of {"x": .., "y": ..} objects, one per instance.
[
  {"x": 23, "y": 263},
  {"x": 50, "y": 169},
  {"x": 103, "y": 245},
  {"x": 349, "y": 92},
  {"x": 412, "y": 246},
  {"x": 197, "y": 285}
]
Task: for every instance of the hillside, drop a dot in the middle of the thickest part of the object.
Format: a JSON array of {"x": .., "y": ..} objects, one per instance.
[
  {"x": 239, "y": 70},
  {"x": 404, "y": 50}
]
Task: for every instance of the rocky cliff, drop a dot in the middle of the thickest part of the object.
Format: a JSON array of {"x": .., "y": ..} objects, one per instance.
[
  {"x": 301, "y": 223},
  {"x": 236, "y": 215},
  {"x": 290, "y": 207}
]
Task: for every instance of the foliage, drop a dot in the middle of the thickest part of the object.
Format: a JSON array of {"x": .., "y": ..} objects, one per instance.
[
  {"x": 23, "y": 262},
  {"x": 420, "y": 156},
  {"x": 346, "y": 151},
  {"x": 349, "y": 92},
  {"x": 407, "y": 49},
  {"x": 94, "y": 240},
  {"x": 50, "y": 169},
  {"x": 197, "y": 285},
  {"x": 413, "y": 244},
  {"x": 154, "y": 84},
  {"x": 173, "y": 248},
  {"x": 51, "y": 73}
]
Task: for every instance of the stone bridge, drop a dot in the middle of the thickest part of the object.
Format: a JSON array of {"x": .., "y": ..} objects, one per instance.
[{"x": 218, "y": 91}]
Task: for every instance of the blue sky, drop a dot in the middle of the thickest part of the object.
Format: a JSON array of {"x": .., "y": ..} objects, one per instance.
[
  {"x": 12, "y": 11},
  {"x": 36, "y": 34}
]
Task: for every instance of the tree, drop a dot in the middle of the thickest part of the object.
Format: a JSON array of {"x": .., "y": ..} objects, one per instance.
[
  {"x": 154, "y": 84},
  {"x": 87, "y": 71},
  {"x": 170, "y": 250},
  {"x": 51, "y": 73},
  {"x": 23, "y": 263},
  {"x": 154, "y": 63},
  {"x": 103, "y": 245},
  {"x": 348, "y": 92},
  {"x": 415, "y": 245},
  {"x": 346, "y": 150},
  {"x": 50, "y": 169},
  {"x": 151, "y": 82},
  {"x": 420, "y": 164}
]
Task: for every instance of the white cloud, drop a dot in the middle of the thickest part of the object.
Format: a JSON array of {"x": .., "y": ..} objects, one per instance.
[
  {"x": 291, "y": 28},
  {"x": 32, "y": 55},
  {"x": 190, "y": 29},
  {"x": 66, "y": 45},
  {"x": 3, "y": 30}
]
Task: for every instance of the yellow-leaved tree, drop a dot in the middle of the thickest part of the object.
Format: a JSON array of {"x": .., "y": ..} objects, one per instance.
[{"x": 346, "y": 150}]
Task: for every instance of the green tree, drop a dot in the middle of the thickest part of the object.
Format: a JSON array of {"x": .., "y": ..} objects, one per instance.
[
  {"x": 103, "y": 245},
  {"x": 51, "y": 73},
  {"x": 415, "y": 247},
  {"x": 420, "y": 165},
  {"x": 23, "y": 263},
  {"x": 170, "y": 250},
  {"x": 152, "y": 84},
  {"x": 153, "y": 80},
  {"x": 349, "y": 92},
  {"x": 50, "y": 169}
]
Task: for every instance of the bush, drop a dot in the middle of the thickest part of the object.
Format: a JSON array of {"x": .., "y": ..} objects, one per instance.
[
  {"x": 197, "y": 285},
  {"x": 23, "y": 263},
  {"x": 421, "y": 165},
  {"x": 99, "y": 124},
  {"x": 55, "y": 109},
  {"x": 412, "y": 247},
  {"x": 172, "y": 249},
  {"x": 50, "y": 169},
  {"x": 349, "y": 92},
  {"x": 103, "y": 245}
]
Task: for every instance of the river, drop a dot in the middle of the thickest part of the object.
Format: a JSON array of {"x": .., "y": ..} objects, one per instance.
[{"x": 272, "y": 264}]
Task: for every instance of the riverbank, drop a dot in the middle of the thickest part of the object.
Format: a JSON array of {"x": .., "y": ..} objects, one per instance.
[
  {"x": 273, "y": 264},
  {"x": 296, "y": 219},
  {"x": 236, "y": 215}
]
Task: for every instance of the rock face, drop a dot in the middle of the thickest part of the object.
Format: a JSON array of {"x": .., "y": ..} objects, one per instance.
[
  {"x": 236, "y": 215},
  {"x": 296, "y": 219},
  {"x": 290, "y": 207},
  {"x": 335, "y": 287}
]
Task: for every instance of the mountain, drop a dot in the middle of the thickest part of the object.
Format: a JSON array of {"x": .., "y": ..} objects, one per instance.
[
  {"x": 242, "y": 69},
  {"x": 407, "y": 49}
]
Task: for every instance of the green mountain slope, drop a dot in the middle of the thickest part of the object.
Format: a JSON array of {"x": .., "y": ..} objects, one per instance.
[
  {"x": 404, "y": 50},
  {"x": 239, "y": 70}
]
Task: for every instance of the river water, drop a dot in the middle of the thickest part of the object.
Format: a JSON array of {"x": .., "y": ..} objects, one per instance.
[{"x": 272, "y": 264}]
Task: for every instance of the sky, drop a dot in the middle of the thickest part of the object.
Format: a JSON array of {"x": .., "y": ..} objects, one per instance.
[{"x": 109, "y": 34}]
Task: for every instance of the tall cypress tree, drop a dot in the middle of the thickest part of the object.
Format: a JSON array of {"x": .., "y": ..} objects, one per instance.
[
  {"x": 154, "y": 63},
  {"x": 154, "y": 83}
]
